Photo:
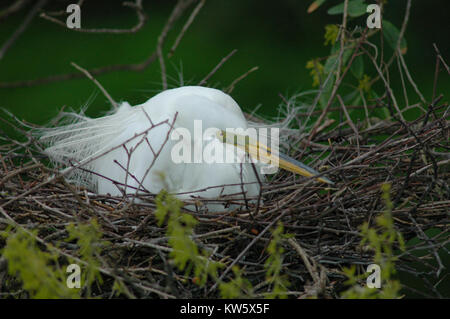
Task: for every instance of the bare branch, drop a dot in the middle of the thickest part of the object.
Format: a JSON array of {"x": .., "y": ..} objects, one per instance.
[
  {"x": 137, "y": 6},
  {"x": 90, "y": 77},
  {"x": 37, "y": 6}
]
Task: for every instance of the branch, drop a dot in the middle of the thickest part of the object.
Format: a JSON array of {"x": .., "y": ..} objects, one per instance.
[
  {"x": 137, "y": 5},
  {"x": 90, "y": 77},
  {"x": 102, "y": 70},
  {"x": 14, "y": 7},
  {"x": 22, "y": 27}
]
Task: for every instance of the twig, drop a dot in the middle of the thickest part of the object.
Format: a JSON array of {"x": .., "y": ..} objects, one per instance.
[
  {"x": 14, "y": 7},
  {"x": 230, "y": 88},
  {"x": 247, "y": 248},
  {"x": 186, "y": 27},
  {"x": 217, "y": 67},
  {"x": 137, "y": 6},
  {"x": 28, "y": 18},
  {"x": 90, "y": 77}
]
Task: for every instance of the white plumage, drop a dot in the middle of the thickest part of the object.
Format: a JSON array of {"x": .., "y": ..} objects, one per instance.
[
  {"x": 131, "y": 149},
  {"x": 95, "y": 145}
]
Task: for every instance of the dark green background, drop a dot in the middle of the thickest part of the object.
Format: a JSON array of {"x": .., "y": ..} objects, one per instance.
[{"x": 277, "y": 36}]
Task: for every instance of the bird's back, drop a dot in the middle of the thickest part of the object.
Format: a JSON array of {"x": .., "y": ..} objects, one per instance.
[{"x": 131, "y": 148}]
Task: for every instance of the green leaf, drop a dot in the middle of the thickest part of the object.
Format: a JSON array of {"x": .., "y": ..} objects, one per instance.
[
  {"x": 331, "y": 34},
  {"x": 391, "y": 34},
  {"x": 357, "y": 67},
  {"x": 355, "y": 8}
]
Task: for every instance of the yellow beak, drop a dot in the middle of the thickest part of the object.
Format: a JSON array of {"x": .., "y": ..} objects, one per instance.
[{"x": 263, "y": 153}]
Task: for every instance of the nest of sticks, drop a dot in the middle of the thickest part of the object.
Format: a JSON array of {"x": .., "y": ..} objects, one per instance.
[{"x": 412, "y": 156}]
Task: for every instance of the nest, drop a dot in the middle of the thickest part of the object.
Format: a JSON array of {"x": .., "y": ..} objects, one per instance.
[{"x": 359, "y": 157}]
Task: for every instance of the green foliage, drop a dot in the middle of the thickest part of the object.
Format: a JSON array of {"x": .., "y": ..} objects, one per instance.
[
  {"x": 381, "y": 240},
  {"x": 357, "y": 68},
  {"x": 355, "y": 8},
  {"x": 364, "y": 84},
  {"x": 274, "y": 262},
  {"x": 189, "y": 257},
  {"x": 316, "y": 71},
  {"x": 335, "y": 65},
  {"x": 89, "y": 240},
  {"x": 186, "y": 254},
  {"x": 391, "y": 34},
  {"x": 39, "y": 271},
  {"x": 239, "y": 287},
  {"x": 331, "y": 34}
]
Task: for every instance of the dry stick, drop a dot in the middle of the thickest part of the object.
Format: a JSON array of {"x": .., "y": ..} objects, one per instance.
[
  {"x": 441, "y": 58},
  {"x": 427, "y": 191},
  {"x": 386, "y": 84},
  {"x": 70, "y": 76},
  {"x": 90, "y": 77},
  {"x": 137, "y": 5},
  {"x": 319, "y": 280},
  {"x": 217, "y": 67},
  {"x": 243, "y": 190},
  {"x": 186, "y": 27},
  {"x": 404, "y": 24},
  {"x": 443, "y": 162},
  {"x": 243, "y": 76},
  {"x": 77, "y": 166},
  {"x": 349, "y": 121},
  {"x": 107, "y": 272},
  {"x": 14, "y": 7},
  {"x": 335, "y": 88},
  {"x": 53, "y": 210},
  {"x": 408, "y": 75},
  {"x": 260, "y": 188},
  {"x": 171, "y": 126},
  {"x": 247, "y": 248},
  {"x": 338, "y": 77},
  {"x": 316, "y": 100},
  {"x": 38, "y": 5},
  {"x": 401, "y": 33},
  {"x": 176, "y": 13},
  {"x": 332, "y": 109},
  {"x": 63, "y": 12},
  {"x": 96, "y": 71},
  {"x": 405, "y": 93},
  {"x": 19, "y": 171},
  {"x": 343, "y": 29},
  {"x": 436, "y": 75}
]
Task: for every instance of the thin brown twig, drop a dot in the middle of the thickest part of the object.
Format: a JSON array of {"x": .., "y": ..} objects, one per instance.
[
  {"x": 106, "y": 69},
  {"x": 217, "y": 67},
  {"x": 230, "y": 88},
  {"x": 137, "y": 6},
  {"x": 13, "y": 7},
  {"x": 186, "y": 26},
  {"x": 26, "y": 22},
  {"x": 90, "y": 77}
]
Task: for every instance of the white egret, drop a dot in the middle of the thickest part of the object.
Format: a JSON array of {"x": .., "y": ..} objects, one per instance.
[{"x": 132, "y": 148}]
